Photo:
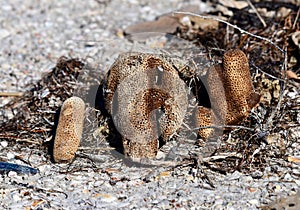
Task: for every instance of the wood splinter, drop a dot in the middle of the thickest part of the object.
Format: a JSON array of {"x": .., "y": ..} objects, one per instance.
[{"x": 11, "y": 94}]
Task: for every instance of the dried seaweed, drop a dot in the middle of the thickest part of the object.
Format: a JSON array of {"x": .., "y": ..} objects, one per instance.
[
  {"x": 33, "y": 114},
  {"x": 274, "y": 120}
]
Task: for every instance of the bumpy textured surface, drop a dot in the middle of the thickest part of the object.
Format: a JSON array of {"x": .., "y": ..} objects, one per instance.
[
  {"x": 240, "y": 95},
  {"x": 147, "y": 100},
  {"x": 231, "y": 92},
  {"x": 204, "y": 117},
  {"x": 69, "y": 129}
]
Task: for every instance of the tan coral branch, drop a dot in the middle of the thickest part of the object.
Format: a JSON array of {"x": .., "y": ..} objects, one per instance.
[{"x": 69, "y": 129}]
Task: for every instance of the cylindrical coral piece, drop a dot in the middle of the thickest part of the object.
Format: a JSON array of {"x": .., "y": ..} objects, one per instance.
[
  {"x": 231, "y": 93},
  {"x": 69, "y": 129},
  {"x": 237, "y": 74},
  {"x": 240, "y": 94},
  {"x": 147, "y": 101}
]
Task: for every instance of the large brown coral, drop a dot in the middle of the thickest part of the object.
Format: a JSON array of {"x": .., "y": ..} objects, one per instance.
[
  {"x": 147, "y": 100},
  {"x": 231, "y": 92}
]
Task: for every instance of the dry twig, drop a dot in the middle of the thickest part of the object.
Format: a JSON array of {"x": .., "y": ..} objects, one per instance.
[
  {"x": 296, "y": 19},
  {"x": 277, "y": 108},
  {"x": 11, "y": 94},
  {"x": 258, "y": 15},
  {"x": 224, "y": 126}
]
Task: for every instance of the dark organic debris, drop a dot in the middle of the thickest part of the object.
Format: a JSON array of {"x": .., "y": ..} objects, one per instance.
[
  {"x": 33, "y": 114},
  {"x": 253, "y": 149},
  {"x": 273, "y": 122}
]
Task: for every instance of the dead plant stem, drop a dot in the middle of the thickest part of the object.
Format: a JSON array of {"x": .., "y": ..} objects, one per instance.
[{"x": 258, "y": 15}]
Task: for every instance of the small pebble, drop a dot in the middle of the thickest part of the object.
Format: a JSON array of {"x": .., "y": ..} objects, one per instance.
[
  {"x": 288, "y": 177},
  {"x": 4, "y": 143},
  {"x": 106, "y": 197},
  {"x": 12, "y": 174},
  {"x": 10, "y": 155},
  {"x": 253, "y": 202},
  {"x": 4, "y": 33}
]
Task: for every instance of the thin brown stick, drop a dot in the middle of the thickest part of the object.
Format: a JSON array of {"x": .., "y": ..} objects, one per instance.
[
  {"x": 224, "y": 126},
  {"x": 11, "y": 94},
  {"x": 296, "y": 19},
  {"x": 269, "y": 75},
  {"x": 277, "y": 108},
  {"x": 222, "y": 156},
  {"x": 233, "y": 26},
  {"x": 94, "y": 148},
  {"x": 258, "y": 15}
]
